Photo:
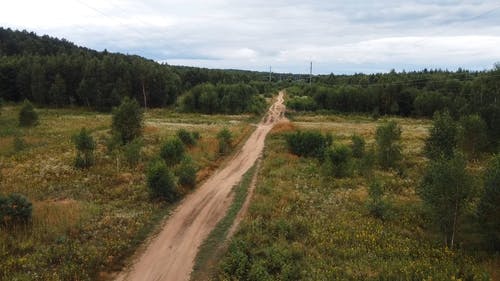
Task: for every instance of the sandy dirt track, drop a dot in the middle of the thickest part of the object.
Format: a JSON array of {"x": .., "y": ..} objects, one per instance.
[{"x": 170, "y": 255}]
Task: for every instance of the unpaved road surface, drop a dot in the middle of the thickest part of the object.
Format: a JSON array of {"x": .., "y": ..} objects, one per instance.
[{"x": 170, "y": 255}]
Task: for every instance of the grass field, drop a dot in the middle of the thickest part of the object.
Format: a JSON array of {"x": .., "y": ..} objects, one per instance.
[
  {"x": 87, "y": 222},
  {"x": 302, "y": 226}
]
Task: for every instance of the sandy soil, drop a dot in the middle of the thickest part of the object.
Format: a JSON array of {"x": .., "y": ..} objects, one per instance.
[{"x": 170, "y": 255}]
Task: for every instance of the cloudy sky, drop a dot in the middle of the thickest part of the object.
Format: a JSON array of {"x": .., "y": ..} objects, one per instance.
[{"x": 337, "y": 36}]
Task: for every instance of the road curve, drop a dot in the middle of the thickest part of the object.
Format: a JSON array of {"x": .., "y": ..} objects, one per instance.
[{"x": 170, "y": 255}]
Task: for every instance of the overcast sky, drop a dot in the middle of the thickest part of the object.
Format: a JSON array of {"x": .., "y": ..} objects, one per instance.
[{"x": 338, "y": 36}]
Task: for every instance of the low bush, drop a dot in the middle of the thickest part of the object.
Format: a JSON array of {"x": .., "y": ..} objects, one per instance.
[
  {"x": 188, "y": 138},
  {"x": 161, "y": 182},
  {"x": 172, "y": 151},
  {"x": 378, "y": 206},
  {"x": 357, "y": 146},
  {"x": 28, "y": 116},
  {"x": 225, "y": 141},
  {"x": 15, "y": 209},
  {"x": 186, "y": 173},
  {"x": 132, "y": 151},
  {"x": 85, "y": 146},
  {"x": 308, "y": 143},
  {"x": 337, "y": 161}
]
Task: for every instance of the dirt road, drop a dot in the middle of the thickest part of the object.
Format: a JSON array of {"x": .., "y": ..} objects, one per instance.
[{"x": 170, "y": 255}]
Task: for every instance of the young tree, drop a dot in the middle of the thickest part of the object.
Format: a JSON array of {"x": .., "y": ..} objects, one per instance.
[
  {"x": 225, "y": 141},
  {"x": 357, "y": 146},
  {"x": 132, "y": 151},
  {"x": 388, "y": 149},
  {"x": 337, "y": 161},
  {"x": 127, "y": 120},
  {"x": 85, "y": 146},
  {"x": 308, "y": 143},
  {"x": 489, "y": 206},
  {"x": 186, "y": 137},
  {"x": 472, "y": 136},
  {"x": 161, "y": 182},
  {"x": 28, "y": 116},
  {"x": 442, "y": 139},
  {"x": 186, "y": 172},
  {"x": 377, "y": 205},
  {"x": 173, "y": 151},
  {"x": 445, "y": 189}
]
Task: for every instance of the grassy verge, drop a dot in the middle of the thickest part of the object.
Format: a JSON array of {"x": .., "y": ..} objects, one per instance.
[{"x": 212, "y": 248}]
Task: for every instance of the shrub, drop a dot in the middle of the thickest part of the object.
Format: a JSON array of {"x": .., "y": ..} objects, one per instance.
[
  {"x": 187, "y": 138},
  {"x": 308, "y": 143},
  {"x": 472, "y": 137},
  {"x": 366, "y": 163},
  {"x": 15, "y": 209},
  {"x": 446, "y": 189},
  {"x": 225, "y": 141},
  {"x": 85, "y": 146},
  {"x": 19, "y": 143},
  {"x": 377, "y": 205},
  {"x": 442, "y": 139},
  {"x": 132, "y": 151},
  {"x": 337, "y": 161},
  {"x": 358, "y": 146},
  {"x": 28, "y": 116},
  {"x": 388, "y": 148},
  {"x": 489, "y": 206},
  {"x": 186, "y": 173},
  {"x": 172, "y": 151},
  {"x": 161, "y": 182},
  {"x": 127, "y": 120}
]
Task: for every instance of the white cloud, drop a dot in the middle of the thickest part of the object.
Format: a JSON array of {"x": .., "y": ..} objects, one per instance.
[{"x": 339, "y": 36}]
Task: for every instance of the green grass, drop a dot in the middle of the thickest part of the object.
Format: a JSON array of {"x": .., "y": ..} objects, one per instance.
[
  {"x": 212, "y": 248},
  {"x": 301, "y": 226}
]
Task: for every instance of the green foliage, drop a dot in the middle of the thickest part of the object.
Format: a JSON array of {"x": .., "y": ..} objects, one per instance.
[
  {"x": 388, "y": 147},
  {"x": 308, "y": 143},
  {"x": 186, "y": 173},
  {"x": 446, "y": 188},
  {"x": 161, "y": 182},
  {"x": 442, "y": 139},
  {"x": 357, "y": 146},
  {"x": 85, "y": 146},
  {"x": 172, "y": 151},
  {"x": 28, "y": 116},
  {"x": 366, "y": 164},
  {"x": 472, "y": 137},
  {"x": 57, "y": 91},
  {"x": 225, "y": 139},
  {"x": 19, "y": 143},
  {"x": 378, "y": 206},
  {"x": 127, "y": 120},
  {"x": 188, "y": 138},
  {"x": 132, "y": 151},
  {"x": 15, "y": 209},
  {"x": 337, "y": 161},
  {"x": 489, "y": 206}
]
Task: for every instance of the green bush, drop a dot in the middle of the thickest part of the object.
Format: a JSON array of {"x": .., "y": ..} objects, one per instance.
[
  {"x": 18, "y": 143},
  {"x": 172, "y": 151},
  {"x": 357, "y": 146},
  {"x": 186, "y": 173},
  {"x": 225, "y": 141},
  {"x": 85, "y": 146},
  {"x": 127, "y": 120},
  {"x": 388, "y": 149},
  {"x": 308, "y": 143},
  {"x": 187, "y": 138},
  {"x": 378, "y": 206},
  {"x": 489, "y": 206},
  {"x": 472, "y": 135},
  {"x": 28, "y": 116},
  {"x": 442, "y": 139},
  {"x": 161, "y": 182},
  {"x": 132, "y": 151},
  {"x": 337, "y": 161},
  {"x": 15, "y": 209}
]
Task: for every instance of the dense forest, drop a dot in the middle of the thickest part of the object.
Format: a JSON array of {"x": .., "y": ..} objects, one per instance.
[{"x": 54, "y": 72}]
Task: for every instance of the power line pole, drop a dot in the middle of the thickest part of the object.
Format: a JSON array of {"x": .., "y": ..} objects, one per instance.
[{"x": 310, "y": 73}]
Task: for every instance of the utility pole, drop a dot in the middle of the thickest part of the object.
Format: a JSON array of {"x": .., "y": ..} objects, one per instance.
[
  {"x": 310, "y": 73},
  {"x": 270, "y": 71}
]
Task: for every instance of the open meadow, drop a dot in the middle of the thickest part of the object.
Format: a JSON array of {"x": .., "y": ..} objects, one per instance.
[
  {"x": 88, "y": 221},
  {"x": 303, "y": 225}
]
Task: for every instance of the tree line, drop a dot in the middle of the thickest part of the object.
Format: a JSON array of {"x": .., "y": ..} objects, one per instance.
[{"x": 55, "y": 72}]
